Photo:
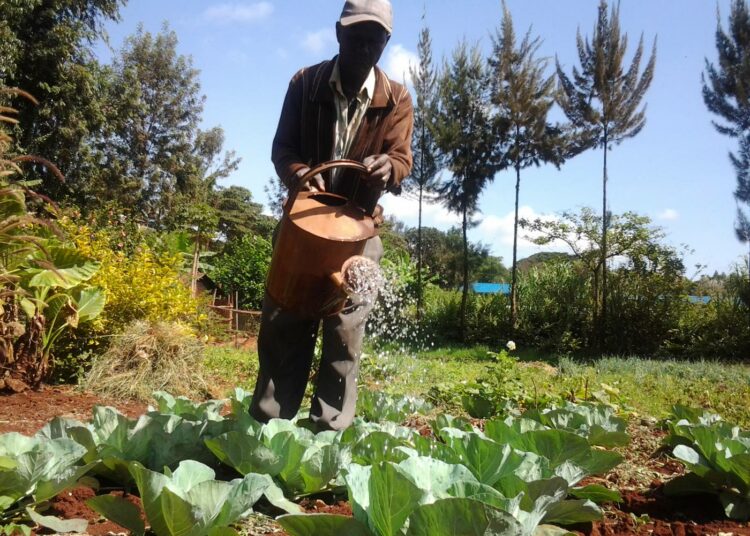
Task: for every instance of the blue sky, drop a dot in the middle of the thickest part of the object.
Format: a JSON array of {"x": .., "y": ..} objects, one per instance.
[{"x": 676, "y": 171}]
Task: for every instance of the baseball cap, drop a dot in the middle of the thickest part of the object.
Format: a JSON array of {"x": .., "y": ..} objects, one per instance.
[{"x": 379, "y": 11}]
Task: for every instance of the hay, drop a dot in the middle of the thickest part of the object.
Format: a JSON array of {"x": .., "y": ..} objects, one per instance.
[{"x": 150, "y": 357}]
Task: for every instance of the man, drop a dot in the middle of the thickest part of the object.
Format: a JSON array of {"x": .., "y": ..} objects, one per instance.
[{"x": 342, "y": 108}]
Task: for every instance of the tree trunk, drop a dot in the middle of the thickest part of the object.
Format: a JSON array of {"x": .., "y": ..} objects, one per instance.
[
  {"x": 194, "y": 270},
  {"x": 465, "y": 295},
  {"x": 513, "y": 290},
  {"x": 419, "y": 257},
  {"x": 603, "y": 312}
]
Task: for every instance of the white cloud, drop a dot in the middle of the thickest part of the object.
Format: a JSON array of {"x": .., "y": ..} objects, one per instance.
[
  {"x": 406, "y": 208},
  {"x": 228, "y": 13},
  {"x": 668, "y": 214},
  {"x": 397, "y": 62},
  {"x": 497, "y": 231},
  {"x": 318, "y": 42}
]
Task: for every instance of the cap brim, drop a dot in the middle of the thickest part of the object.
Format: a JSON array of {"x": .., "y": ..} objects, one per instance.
[{"x": 354, "y": 19}]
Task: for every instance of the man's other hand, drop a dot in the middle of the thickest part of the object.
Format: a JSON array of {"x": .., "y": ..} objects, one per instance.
[
  {"x": 315, "y": 184},
  {"x": 378, "y": 170}
]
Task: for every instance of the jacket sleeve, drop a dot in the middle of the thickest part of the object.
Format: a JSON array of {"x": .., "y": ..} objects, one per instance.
[
  {"x": 397, "y": 141},
  {"x": 287, "y": 144}
]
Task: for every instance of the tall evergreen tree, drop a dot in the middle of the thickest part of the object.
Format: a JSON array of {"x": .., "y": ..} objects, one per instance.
[
  {"x": 726, "y": 92},
  {"x": 466, "y": 136},
  {"x": 423, "y": 178},
  {"x": 603, "y": 99},
  {"x": 523, "y": 95}
]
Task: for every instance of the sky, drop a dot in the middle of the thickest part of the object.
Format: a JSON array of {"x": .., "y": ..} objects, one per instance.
[{"x": 676, "y": 171}]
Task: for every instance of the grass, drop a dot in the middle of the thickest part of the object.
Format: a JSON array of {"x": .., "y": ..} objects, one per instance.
[
  {"x": 647, "y": 387},
  {"x": 229, "y": 367}
]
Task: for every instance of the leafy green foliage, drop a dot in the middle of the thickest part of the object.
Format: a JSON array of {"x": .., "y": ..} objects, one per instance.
[
  {"x": 35, "y": 469},
  {"x": 377, "y": 406},
  {"x": 242, "y": 268},
  {"x": 718, "y": 456},
  {"x": 187, "y": 501}
]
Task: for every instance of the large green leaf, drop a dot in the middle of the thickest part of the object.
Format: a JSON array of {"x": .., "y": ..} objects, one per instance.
[
  {"x": 120, "y": 511},
  {"x": 392, "y": 498},
  {"x": 487, "y": 460},
  {"x": 459, "y": 516},
  {"x": 322, "y": 525},
  {"x": 71, "y": 268},
  {"x": 56, "y": 524},
  {"x": 571, "y": 512},
  {"x": 245, "y": 453}
]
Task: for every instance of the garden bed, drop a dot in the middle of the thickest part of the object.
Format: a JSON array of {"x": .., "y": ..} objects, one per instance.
[{"x": 644, "y": 510}]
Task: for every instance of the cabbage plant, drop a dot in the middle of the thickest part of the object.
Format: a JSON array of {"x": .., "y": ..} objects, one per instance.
[
  {"x": 186, "y": 502},
  {"x": 718, "y": 457}
]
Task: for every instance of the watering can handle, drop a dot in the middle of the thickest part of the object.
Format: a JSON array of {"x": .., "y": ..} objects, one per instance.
[{"x": 320, "y": 168}]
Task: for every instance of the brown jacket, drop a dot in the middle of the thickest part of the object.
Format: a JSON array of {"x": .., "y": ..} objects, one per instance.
[{"x": 305, "y": 134}]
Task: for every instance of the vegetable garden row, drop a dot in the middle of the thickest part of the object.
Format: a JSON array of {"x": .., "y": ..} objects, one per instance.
[{"x": 198, "y": 471}]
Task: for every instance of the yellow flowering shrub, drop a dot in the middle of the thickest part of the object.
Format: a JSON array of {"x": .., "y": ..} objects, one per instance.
[{"x": 141, "y": 285}]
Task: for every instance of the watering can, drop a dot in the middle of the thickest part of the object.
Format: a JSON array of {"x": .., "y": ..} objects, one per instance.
[{"x": 319, "y": 235}]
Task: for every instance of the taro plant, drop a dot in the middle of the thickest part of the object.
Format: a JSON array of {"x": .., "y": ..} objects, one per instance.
[
  {"x": 43, "y": 290},
  {"x": 717, "y": 455}
]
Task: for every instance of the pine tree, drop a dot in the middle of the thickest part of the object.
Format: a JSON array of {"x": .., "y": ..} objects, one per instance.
[
  {"x": 465, "y": 134},
  {"x": 423, "y": 178},
  {"x": 522, "y": 95},
  {"x": 726, "y": 92},
  {"x": 603, "y": 99}
]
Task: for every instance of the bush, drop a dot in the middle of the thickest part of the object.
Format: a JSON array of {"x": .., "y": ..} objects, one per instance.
[
  {"x": 243, "y": 268},
  {"x": 141, "y": 283},
  {"x": 554, "y": 307},
  {"x": 717, "y": 329},
  {"x": 487, "y": 317}
]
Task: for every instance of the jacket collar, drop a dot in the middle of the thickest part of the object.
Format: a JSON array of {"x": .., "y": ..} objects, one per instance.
[{"x": 321, "y": 90}]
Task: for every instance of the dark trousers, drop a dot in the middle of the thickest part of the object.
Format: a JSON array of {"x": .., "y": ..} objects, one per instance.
[{"x": 286, "y": 344}]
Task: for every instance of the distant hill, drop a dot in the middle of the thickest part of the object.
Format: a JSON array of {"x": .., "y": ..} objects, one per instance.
[{"x": 541, "y": 258}]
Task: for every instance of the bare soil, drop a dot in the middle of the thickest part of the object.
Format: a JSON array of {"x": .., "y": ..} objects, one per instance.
[{"x": 645, "y": 509}]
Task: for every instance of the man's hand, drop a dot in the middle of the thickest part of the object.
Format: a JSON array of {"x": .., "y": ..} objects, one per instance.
[
  {"x": 315, "y": 184},
  {"x": 379, "y": 170},
  {"x": 377, "y": 216}
]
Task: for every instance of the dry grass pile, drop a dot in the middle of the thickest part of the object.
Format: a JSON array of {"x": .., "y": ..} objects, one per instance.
[{"x": 150, "y": 357}]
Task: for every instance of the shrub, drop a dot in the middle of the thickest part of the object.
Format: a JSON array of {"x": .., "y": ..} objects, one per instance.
[
  {"x": 242, "y": 268},
  {"x": 141, "y": 283}
]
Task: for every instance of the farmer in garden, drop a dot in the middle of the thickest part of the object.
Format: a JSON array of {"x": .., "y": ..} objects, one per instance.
[{"x": 345, "y": 107}]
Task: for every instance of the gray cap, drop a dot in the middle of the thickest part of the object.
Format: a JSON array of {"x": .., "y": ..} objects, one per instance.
[{"x": 379, "y": 11}]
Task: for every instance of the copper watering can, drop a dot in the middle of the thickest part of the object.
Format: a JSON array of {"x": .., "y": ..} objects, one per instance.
[{"x": 319, "y": 235}]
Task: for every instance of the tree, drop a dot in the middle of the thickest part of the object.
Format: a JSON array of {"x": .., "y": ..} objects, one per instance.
[
  {"x": 443, "y": 257},
  {"x": 157, "y": 159},
  {"x": 45, "y": 50},
  {"x": 522, "y": 95},
  {"x": 423, "y": 177},
  {"x": 726, "y": 93},
  {"x": 648, "y": 281},
  {"x": 603, "y": 79},
  {"x": 465, "y": 135}
]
